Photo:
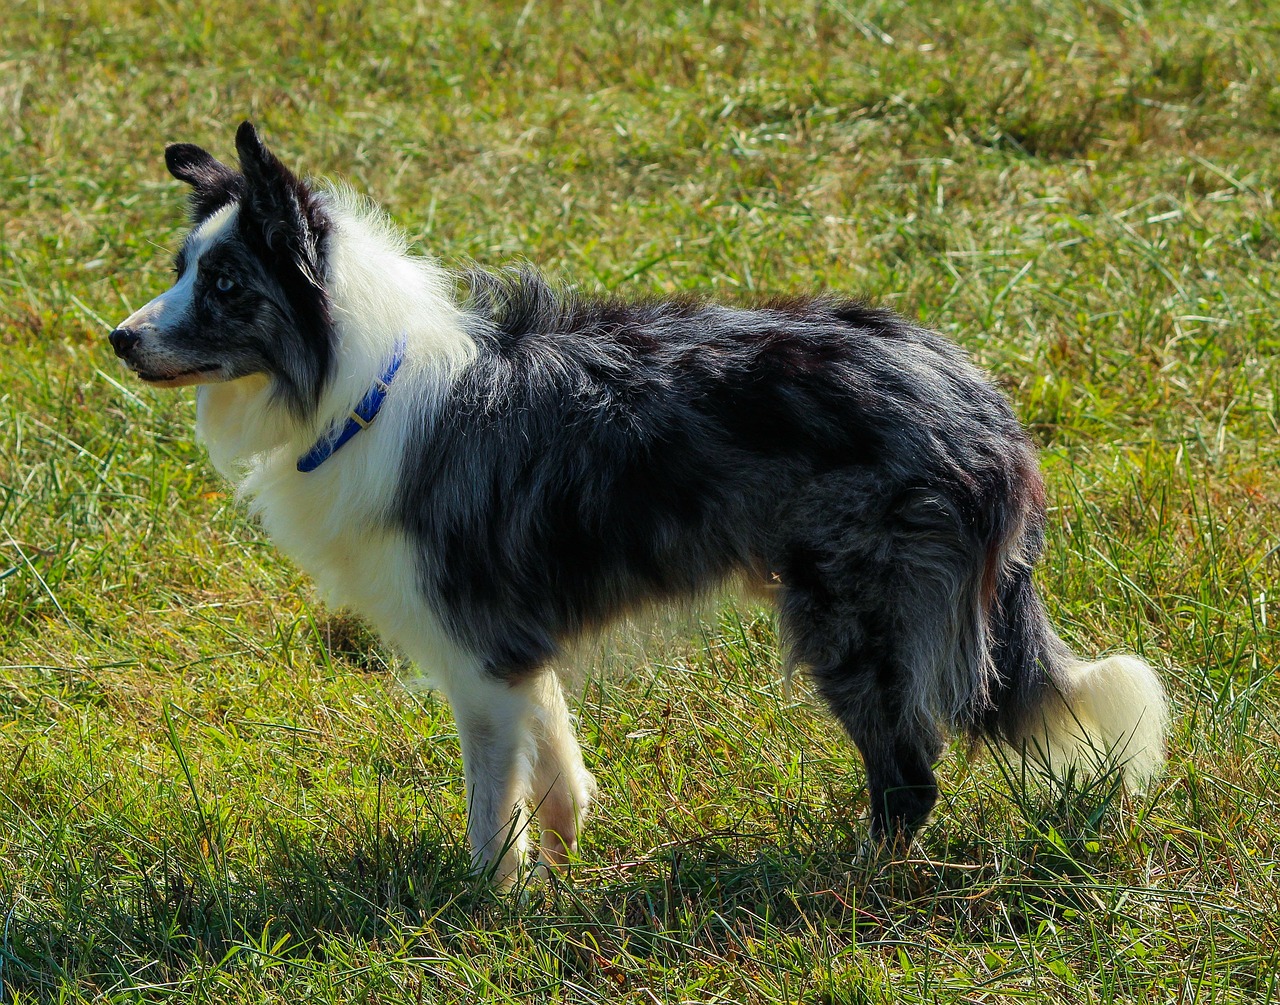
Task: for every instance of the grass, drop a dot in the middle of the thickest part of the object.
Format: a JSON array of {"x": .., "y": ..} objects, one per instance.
[{"x": 212, "y": 789}]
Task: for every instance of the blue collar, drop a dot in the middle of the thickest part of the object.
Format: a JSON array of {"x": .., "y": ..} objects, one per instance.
[{"x": 359, "y": 418}]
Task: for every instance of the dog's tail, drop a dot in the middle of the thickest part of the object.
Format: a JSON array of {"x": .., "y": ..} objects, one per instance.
[{"x": 1064, "y": 714}]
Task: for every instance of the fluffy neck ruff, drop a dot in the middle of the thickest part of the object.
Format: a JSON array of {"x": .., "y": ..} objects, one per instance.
[{"x": 378, "y": 293}]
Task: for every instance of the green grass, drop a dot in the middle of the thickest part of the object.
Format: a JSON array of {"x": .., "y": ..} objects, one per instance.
[{"x": 212, "y": 789}]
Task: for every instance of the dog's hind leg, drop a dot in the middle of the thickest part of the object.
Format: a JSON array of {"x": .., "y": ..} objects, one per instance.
[
  {"x": 562, "y": 787},
  {"x": 875, "y": 604},
  {"x": 898, "y": 752}
]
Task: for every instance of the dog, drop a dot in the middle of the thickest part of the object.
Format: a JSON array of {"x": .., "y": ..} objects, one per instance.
[{"x": 488, "y": 467}]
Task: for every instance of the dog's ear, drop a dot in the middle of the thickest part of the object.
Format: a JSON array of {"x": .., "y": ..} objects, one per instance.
[
  {"x": 213, "y": 184},
  {"x": 277, "y": 204}
]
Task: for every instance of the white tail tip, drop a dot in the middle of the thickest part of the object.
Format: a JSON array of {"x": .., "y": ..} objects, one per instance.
[{"x": 1112, "y": 712}]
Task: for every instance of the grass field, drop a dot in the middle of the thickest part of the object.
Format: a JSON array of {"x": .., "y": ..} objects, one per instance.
[{"x": 212, "y": 789}]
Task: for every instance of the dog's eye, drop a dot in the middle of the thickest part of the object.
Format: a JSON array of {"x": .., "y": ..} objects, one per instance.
[{"x": 224, "y": 285}]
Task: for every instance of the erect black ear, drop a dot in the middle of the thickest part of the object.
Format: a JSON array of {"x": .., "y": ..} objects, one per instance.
[
  {"x": 213, "y": 184},
  {"x": 285, "y": 213}
]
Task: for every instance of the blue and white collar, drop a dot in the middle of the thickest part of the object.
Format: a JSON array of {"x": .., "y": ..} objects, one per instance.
[{"x": 359, "y": 418}]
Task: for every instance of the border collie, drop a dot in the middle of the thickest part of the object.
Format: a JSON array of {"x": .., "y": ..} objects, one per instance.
[{"x": 486, "y": 467}]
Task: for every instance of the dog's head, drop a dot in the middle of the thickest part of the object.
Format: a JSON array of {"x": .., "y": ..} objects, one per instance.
[{"x": 249, "y": 297}]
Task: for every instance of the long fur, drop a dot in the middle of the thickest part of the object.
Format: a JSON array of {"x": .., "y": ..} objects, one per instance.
[{"x": 547, "y": 461}]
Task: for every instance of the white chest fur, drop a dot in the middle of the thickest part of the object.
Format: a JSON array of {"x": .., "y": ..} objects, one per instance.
[{"x": 336, "y": 522}]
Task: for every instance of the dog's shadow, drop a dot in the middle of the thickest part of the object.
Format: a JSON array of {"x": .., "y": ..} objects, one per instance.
[{"x": 708, "y": 895}]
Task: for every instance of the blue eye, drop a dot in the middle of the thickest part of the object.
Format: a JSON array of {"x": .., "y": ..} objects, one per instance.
[{"x": 224, "y": 285}]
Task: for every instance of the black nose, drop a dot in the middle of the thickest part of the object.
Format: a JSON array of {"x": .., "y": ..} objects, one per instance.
[{"x": 123, "y": 340}]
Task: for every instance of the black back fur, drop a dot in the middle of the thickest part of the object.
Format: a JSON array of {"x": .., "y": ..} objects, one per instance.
[{"x": 600, "y": 454}]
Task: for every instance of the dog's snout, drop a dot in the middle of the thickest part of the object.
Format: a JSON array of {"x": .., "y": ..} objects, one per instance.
[{"x": 123, "y": 340}]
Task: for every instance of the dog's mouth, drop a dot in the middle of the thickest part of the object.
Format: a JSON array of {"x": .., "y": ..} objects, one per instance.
[{"x": 196, "y": 375}]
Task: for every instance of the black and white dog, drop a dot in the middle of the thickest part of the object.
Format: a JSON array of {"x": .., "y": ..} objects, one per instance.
[{"x": 488, "y": 476}]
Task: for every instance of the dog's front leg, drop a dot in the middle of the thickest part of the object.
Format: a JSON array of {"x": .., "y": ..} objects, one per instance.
[
  {"x": 498, "y": 751},
  {"x": 563, "y": 789}
]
